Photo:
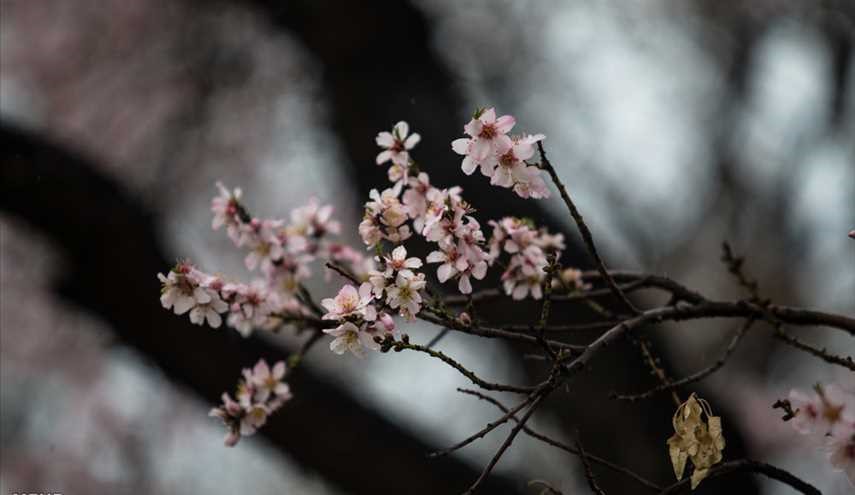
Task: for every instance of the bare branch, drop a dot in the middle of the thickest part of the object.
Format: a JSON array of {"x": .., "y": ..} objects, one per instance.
[
  {"x": 583, "y": 229},
  {"x": 698, "y": 376},
  {"x": 747, "y": 465}
]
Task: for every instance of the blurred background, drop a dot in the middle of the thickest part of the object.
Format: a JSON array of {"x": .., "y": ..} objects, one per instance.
[{"x": 675, "y": 125}]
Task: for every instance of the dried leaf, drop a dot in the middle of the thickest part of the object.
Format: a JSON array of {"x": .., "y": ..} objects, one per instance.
[{"x": 698, "y": 476}]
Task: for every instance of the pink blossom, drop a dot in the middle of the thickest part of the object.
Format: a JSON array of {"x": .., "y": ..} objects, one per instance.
[
  {"x": 841, "y": 450},
  {"x": 313, "y": 220},
  {"x": 226, "y": 208},
  {"x": 396, "y": 144},
  {"x": 572, "y": 279},
  {"x": 349, "y": 337},
  {"x": 385, "y": 218},
  {"x": 259, "y": 394},
  {"x": 269, "y": 381},
  {"x": 529, "y": 184},
  {"x": 448, "y": 266},
  {"x": 499, "y": 156},
  {"x": 210, "y": 310},
  {"x": 250, "y": 307},
  {"x": 509, "y": 165},
  {"x": 386, "y": 324},
  {"x": 404, "y": 295},
  {"x": 360, "y": 266},
  {"x": 179, "y": 293},
  {"x": 265, "y": 243},
  {"x": 399, "y": 261},
  {"x": 351, "y": 303},
  {"x": 525, "y": 274},
  {"x": 415, "y": 198},
  {"x": 823, "y": 411},
  {"x": 488, "y": 137}
]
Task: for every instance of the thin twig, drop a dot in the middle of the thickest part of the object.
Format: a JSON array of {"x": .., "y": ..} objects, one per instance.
[
  {"x": 567, "y": 448},
  {"x": 747, "y": 465},
  {"x": 846, "y": 362},
  {"x": 653, "y": 362},
  {"x": 550, "y": 269},
  {"x": 493, "y": 333},
  {"x": 484, "y": 431},
  {"x": 589, "y": 473},
  {"x": 401, "y": 345},
  {"x": 698, "y": 376},
  {"x": 507, "y": 443},
  {"x": 583, "y": 229}
]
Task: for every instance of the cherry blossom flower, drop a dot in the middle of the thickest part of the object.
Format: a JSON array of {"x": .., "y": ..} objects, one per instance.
[
  {"x": 250, "y": 307},
  {"x": 499, "y": 156},
  {"x": 259, "y": 394},
  {"x": 822, "y": 412},
  {"x": 841, "y": 451},
  {"x": 265, "y": 243},
  {"x": 210, "y": 310},
  {"x": 525, "y": 274},
  {"x": 384, "y": 218},
  {"x": 351, "y": 303},
  {"x": 571, "y": 278},
  {"x": 359, "y": 265},
  {"x": 404, "y": 295},
  {"x": 182, "y": 287},
  {"x": 509, "y": 165},
  {"x": 385, "y": 324},
  {"x": 349, "y": 337},
  {"x": 313, "y": 220},
  {"x": 396, "y": 144},
  {"x": 528, "y": 183},
  {"x": 488, "y": 140},
  {"x": 415, "y": 198},
  {"x": 448, "y": 267},
  {"x": 227, "y": 211},
  {"x": 269, "y": 381},
  {"x": 399, "y": 261},
  {"x": 179, "y": 293}
]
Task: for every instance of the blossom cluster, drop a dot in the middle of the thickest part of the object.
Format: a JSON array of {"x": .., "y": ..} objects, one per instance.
[
  {"x": 259, "y": 394},
  {"x": 281, "y": 251},
  {"x": 397, "y": 284},
  {"x": 695, "y": 439},
  {"x": 827, "y": 417},
  {"x": 501, "y": 157},
  {"x": 206, "y": 297},
  {"x": 528, "y": 248},
  {"x": 358, "y": 320}
]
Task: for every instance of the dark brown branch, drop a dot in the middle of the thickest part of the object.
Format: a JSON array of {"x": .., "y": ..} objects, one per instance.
[
  {"x": 507, "y": 443},
  {"x": 484, "y": 431},
  {"x": 698, "y": 376},
  {"x": 567, "y": 448},
  {"x": 498, "y": 387},
  {"x": 493, "y": 333},
  {"x": 589, "y": 473},
  {"x": 653, "y": 363},
  {"x": 746, "y": 465},
  {"x": 846, "y": 362},
  {"x": 583, "y": 229}
]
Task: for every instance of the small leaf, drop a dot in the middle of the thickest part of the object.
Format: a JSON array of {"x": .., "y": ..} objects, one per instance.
[
  {"x": 698, "y": 476},
  {"x": 678, "y": 457}
]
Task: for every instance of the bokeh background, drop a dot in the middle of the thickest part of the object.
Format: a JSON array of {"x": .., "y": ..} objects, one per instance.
[{"x": 676, "y": 125}]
